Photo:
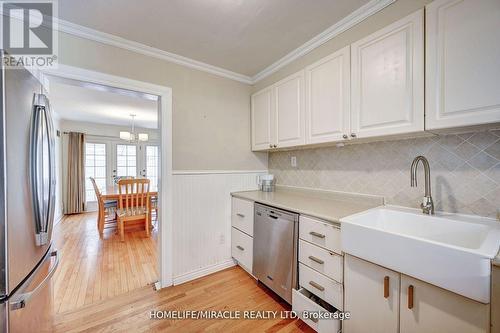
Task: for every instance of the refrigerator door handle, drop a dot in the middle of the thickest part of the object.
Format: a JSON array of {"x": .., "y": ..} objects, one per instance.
[
  {"x": 43, "y": 192},
  {"x": 34, "y": 168},
  {"x": 21, "y": 301},
  {"x": 52, "y": 168}
]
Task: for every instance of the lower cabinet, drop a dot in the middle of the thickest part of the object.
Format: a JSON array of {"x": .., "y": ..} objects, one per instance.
[
  {"x": 427, "y": 308},
  {"x": 372, "y": 297},
  {"x": 242, "y": 249},
  {"x": 304, "y": 302},
  {"x": 382, "y": 300}
]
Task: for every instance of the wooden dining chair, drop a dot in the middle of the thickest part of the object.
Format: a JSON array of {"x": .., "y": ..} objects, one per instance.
[
  {"x": 106, "y": 208},
  {"x": 133, "y": 203}
]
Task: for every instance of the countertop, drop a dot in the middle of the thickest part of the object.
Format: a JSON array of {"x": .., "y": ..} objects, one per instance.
[
  {"x": 330, "y": 206},
  {"x": 326, "y": 205}
]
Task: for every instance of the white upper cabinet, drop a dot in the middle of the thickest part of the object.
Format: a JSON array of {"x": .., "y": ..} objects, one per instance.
[
  {"x": 328, "y": 98},
  {"x": 387, "y": 87},
  {"x": 262, "y": 119},
  {"x": 290, "y": 115},
  {"x": 462, "y": 63}
]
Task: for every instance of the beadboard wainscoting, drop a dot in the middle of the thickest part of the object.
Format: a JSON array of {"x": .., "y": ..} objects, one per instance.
[
  {"x": 465, "y": 170},
  {"x": 202, "y": 220}
]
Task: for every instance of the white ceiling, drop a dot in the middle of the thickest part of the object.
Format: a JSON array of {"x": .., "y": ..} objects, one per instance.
[
  {"x": 244, "y": 36},
  {"x": 73, "y": 100}
]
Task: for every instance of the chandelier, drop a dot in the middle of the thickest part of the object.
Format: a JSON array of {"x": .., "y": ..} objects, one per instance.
[{"x": 132, "y": 136}]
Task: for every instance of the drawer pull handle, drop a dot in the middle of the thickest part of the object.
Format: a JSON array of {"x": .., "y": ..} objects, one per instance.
[
  {"x": 319, "y": 261},
  {"x": 410, "y": 297},
  {"x": 317, "y": 286},
  {"x": 316, "y": 234},
  {"x": 386, "y": 287},
  {"x": 240, "y": 248},
  {"x": 240, "y": 215}
]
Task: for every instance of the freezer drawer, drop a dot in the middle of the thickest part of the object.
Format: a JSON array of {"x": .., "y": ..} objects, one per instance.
[{"x": 30, "y": 307}]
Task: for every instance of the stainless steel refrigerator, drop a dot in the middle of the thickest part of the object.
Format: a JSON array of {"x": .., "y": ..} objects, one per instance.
[{"x": 27, "y": 193}]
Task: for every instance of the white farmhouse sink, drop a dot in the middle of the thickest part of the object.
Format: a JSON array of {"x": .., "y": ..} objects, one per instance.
[{"x": 453, "y": 252}]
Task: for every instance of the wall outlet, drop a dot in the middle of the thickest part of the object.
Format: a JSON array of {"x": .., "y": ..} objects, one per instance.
[
  {"x": 222, "y": 239},
  {"x": 293, "y": 161}
]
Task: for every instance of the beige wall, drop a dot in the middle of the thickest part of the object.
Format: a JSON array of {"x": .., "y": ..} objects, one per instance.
[
  {"x": 388, "y": 15},
  {"x": 211, "y": 115}
]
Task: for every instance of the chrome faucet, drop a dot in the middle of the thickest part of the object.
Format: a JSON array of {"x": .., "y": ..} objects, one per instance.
[{"x": 427, "y": 205}]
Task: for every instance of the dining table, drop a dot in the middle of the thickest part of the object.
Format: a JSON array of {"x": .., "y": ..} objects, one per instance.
[{"x": 112, "y": 193}]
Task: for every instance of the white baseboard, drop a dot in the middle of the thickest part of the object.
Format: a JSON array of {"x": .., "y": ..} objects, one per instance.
[{"x": 203, "y": 271}]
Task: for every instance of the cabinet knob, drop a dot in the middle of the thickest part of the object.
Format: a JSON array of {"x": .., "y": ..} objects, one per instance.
[
  {"x": 275, "y": 146},
  {"x": 353, "y": 135},
  {"x": 345, "y": 136},
  {"x": 270, "y": 146}
]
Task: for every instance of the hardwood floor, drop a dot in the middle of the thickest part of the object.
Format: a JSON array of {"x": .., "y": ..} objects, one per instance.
[
  {"x": 232, "y": 289},
  {"x": 93, "y": 269}
]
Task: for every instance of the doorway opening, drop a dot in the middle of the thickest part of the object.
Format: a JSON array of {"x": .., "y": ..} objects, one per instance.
[{"x": 96, "y": 263}]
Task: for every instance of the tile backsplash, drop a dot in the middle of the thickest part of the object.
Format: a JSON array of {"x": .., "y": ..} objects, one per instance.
[{"x": 465, "y": 170}]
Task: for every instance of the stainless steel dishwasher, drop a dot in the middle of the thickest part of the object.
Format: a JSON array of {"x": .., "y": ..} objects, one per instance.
[{"x": 275, "y": 249}]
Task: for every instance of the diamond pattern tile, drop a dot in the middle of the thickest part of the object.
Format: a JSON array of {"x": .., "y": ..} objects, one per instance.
[{"x": 465, "y": 170}]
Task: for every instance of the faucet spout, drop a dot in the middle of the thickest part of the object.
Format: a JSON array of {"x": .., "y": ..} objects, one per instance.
[{"x": 427, "y": 203}]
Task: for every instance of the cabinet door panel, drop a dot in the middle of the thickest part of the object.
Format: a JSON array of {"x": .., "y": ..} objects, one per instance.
[
  {"x": 328, "y": 98},
  {"x": 436, "y": 310},
  {"x": 372, "y": 309},
  {"x": 462, "y": 69},
  {"x": 289, "y": 94},
  {"x": 388, "y": 80},
  {"x": 262, "y": 118}
]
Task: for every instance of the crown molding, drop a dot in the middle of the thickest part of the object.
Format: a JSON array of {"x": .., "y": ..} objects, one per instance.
[
  {"x": 347, "y": 22},
  {"x": 109, "y": 39}
]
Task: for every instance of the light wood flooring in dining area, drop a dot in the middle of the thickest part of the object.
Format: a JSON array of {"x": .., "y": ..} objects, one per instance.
[{"x": 95, "y": 269}]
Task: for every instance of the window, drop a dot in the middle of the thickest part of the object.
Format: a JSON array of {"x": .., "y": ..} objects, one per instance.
[
  {"x": 95, "y": 166},
  {"x": 152, "y": 165},
  {"x": 126, "y": 159}
]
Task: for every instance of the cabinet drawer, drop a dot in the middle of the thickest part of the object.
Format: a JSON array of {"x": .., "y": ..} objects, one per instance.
[
  {"x": 302, "y": 302},
  {"x": 242, "y": 248},
  {"x": 242, "y": 215},
  {"x": 320, "y": 233},
  {"x": 321, "y": 286},
  {"x": 321, "y": 260}
]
